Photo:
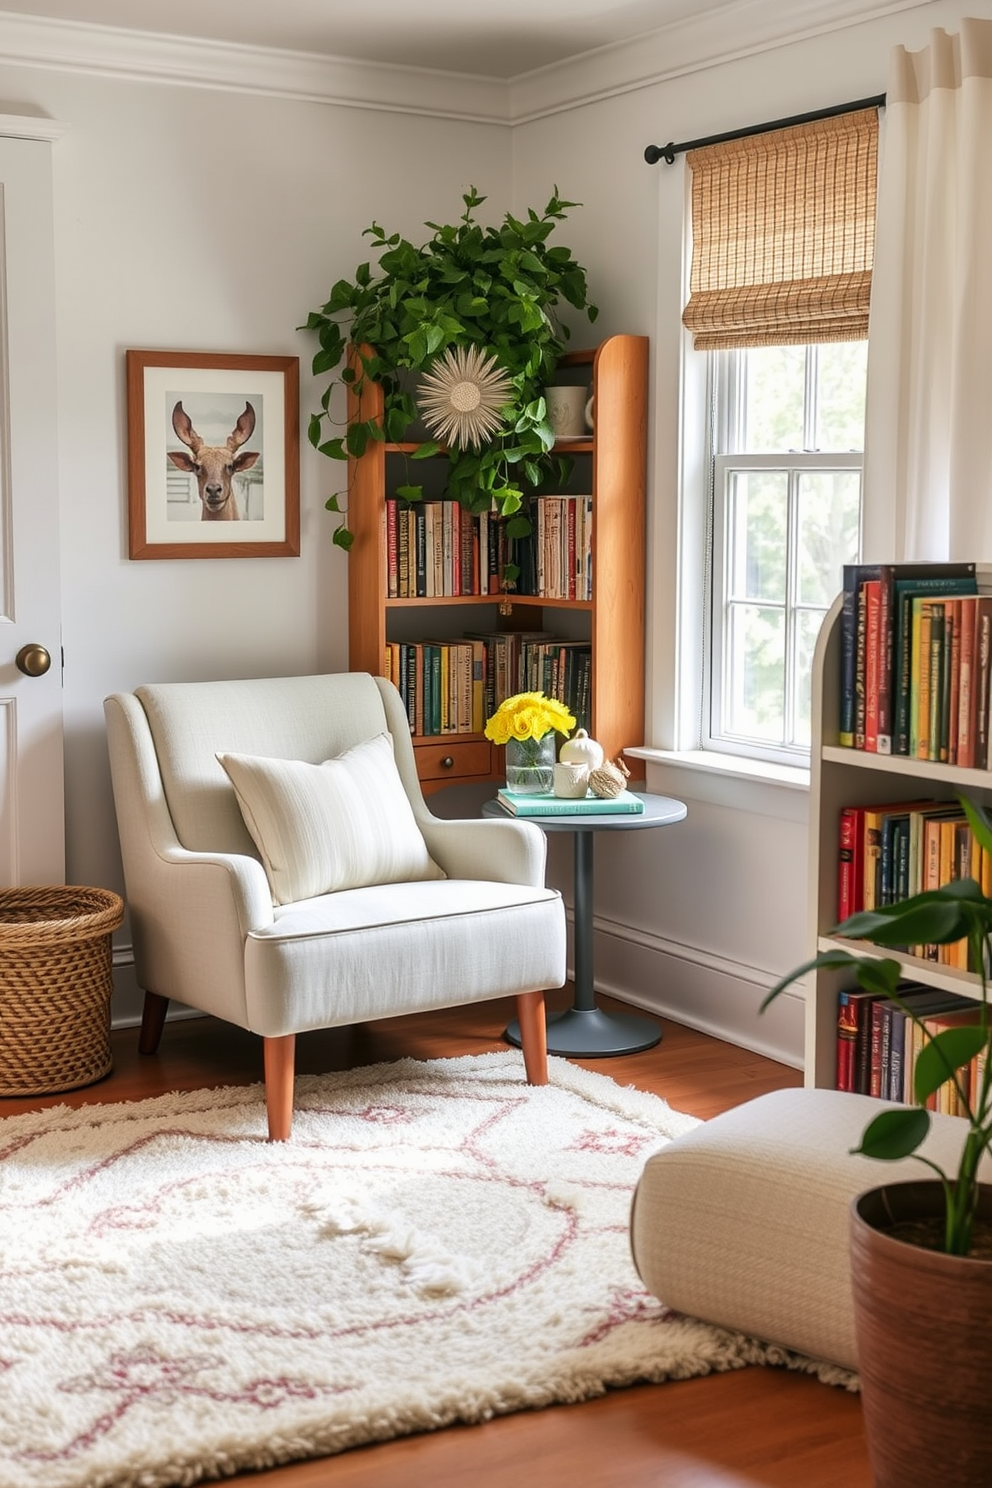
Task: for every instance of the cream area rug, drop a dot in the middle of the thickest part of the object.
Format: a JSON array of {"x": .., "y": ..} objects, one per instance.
[{"x": 438, "y": 1242}]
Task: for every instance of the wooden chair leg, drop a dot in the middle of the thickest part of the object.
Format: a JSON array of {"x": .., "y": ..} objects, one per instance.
[
  {"x": 533, "y": 1036},
  {"x": 152, "y": 1022},
  {"x": 280, "y": 1060}
]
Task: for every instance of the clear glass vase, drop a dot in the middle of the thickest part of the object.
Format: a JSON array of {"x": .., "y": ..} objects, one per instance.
[{"x": 530, "y": 764}]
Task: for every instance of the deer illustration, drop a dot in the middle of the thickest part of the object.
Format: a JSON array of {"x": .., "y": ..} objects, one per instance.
[{"x": 214, "y": 465}]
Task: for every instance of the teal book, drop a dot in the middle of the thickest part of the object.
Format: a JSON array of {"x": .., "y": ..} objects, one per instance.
[{"x": 517, "y": 804}]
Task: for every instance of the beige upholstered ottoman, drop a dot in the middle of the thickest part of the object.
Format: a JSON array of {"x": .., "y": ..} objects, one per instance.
[{"x": 743, "y": 1221}]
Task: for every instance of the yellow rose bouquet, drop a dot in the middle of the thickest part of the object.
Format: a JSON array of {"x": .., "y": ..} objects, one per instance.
[
  {"x": 526, "y": 724},
  {"x": 528, "y": 715}
]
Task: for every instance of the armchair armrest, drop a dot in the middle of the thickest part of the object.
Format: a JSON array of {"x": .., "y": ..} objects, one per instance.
[
  {"x": 215, "y": 880},
  {"x": 212, "y": 899},
  {"x": 190, "y": 917},
  {"x": 495, "y": 851}
]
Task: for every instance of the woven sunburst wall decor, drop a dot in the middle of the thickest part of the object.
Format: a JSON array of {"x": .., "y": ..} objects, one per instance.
[{"x": 461, "y": 399}]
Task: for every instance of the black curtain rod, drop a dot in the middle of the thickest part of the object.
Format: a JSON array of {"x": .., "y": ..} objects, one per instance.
[{"x": 654, "y": 153}]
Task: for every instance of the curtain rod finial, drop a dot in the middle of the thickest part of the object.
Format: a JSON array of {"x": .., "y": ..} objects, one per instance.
[{"x": 654, "y": 153}]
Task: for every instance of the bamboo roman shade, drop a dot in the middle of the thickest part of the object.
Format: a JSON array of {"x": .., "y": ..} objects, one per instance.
[{"x": 783, "y": 235}]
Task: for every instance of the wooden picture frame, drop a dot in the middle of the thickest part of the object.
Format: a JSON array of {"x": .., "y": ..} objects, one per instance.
[{"x": 213, "y": 455}]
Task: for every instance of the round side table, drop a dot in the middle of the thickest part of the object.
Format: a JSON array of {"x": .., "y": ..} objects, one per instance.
[{"x": 584, "y": 1029}]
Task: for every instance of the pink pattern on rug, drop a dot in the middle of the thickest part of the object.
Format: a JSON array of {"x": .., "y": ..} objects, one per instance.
[
  {"x": 612, "y": 1142},
  {"x": 626, "y": 1305},
  {"x": 381, "y": 1115},
  {"x": 181, "y": 1300},
  {"x": 143, "y": 1374}
]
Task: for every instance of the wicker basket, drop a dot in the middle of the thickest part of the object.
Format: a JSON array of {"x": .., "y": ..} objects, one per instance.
[{"x": 55, "y": 986}]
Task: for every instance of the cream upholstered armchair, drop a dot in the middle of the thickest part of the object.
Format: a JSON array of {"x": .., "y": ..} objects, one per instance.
[{"x": 283, "y": 872}]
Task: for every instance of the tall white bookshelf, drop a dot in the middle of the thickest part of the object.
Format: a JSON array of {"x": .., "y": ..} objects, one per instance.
[{"x": 853, "y": 777}]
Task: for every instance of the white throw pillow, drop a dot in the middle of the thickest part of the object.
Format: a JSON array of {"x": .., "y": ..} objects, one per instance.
[{"x": 344, "y": 824}]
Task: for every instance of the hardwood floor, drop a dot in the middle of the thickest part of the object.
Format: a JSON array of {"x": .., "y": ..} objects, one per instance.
[{"x": 754, "y": 1428}]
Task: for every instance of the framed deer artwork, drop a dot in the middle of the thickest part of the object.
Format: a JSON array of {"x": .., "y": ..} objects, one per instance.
[{"x": 213, "y": 455}]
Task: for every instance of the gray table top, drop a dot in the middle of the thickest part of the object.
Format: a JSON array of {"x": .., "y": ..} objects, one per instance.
[{"x": 659, "y": 811}]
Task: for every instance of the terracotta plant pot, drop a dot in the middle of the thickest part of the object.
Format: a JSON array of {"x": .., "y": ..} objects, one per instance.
[{"x": 923, "y": 1323}]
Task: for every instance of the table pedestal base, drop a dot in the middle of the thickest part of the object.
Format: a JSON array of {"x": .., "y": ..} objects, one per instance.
[{"x": 593, "y": 1034}]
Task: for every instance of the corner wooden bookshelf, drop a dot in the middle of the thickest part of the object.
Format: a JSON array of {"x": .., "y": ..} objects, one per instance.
[
  {"x": 612, "y": 464},
  {"x": 840, "y": 777}
]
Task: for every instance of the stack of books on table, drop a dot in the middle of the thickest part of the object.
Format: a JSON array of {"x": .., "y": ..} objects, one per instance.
[{"x": 541, "y": 804}]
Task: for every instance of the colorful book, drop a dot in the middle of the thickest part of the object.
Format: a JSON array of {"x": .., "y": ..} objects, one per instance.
[
  {"x": 874, "y": 818},
  {"x": 855, "y": 574},
  {"x": 946, "y": 1098},
  {"x": 539, "y": 804},
  {"x": 894, "y": 830},
  {"x": 977, "y": 1074},
  {"x": 952, "y": 667},
  {"x": 889, "y": 1034},
  {"x": 850, "y": 862},
  {"x": 900, "y": 854},
  {"x": 847, "y": 1037},
  {"x": 939, "y": 1002},
  {"x": 896, "y": 582},
  {"x": 906, "y": 1037},
  {"x": 854, "y": 1010},
  {"x": 886, "y": 656},
  {"x": 919, "y": 682},
  {"x": 872, "y": 665},
  {"x": 983, "y": 626},
  {"x": 862, "y": 1049},
  {"x": 392, "y": 551},
  {"x": 861, "y": 664},
  {"x": 914, "y": 581},
  {"x": 967, "y": 691},
  {"x": 937, "y": 681},
  {"x": 879, "y": 1046}
]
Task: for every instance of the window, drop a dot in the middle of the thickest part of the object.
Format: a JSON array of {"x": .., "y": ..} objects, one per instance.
[
  {"x": 783, "y": 230},
  {"x": 788, "y": 436}
]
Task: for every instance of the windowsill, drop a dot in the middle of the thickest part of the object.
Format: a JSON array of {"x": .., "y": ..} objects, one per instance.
[{"x": 734, "y": 766}]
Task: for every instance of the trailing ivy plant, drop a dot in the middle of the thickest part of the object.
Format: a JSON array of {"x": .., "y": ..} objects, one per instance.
[{"x": 495, "y": 287}]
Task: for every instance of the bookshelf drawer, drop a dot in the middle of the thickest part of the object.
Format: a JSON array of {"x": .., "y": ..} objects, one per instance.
[{"x": 444, "y": 760}]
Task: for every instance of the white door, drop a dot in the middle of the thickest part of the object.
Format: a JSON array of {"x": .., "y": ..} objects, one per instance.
[{"x": 32, "y": 839}]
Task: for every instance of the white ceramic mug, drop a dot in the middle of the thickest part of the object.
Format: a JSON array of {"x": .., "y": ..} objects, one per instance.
[
  {"x": 567, "y": 411},
  {"x": 571, "y": 781}
]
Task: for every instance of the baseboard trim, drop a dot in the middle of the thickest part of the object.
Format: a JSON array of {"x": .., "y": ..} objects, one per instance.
[{"x": 714, "y": 994}]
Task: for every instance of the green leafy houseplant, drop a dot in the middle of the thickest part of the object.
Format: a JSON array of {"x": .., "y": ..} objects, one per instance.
[
  {"x": 496, "y": 287},
  {"x": 940, "y": 916}
]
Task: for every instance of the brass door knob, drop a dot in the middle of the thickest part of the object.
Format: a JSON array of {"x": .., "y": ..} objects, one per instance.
[{"x": 33, "y": 660}]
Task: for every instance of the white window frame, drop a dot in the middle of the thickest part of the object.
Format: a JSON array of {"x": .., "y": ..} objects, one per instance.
[{"x": 726, "y": 394}]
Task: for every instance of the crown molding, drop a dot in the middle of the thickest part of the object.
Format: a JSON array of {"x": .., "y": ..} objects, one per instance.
[
  {"x": 26, "y": 126},
  {"x": 739, "y": 29},
  {"x": 109, "y": 51}
]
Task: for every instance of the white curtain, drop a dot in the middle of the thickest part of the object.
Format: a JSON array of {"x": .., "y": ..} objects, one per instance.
[{"x": 928, "y": 453}]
